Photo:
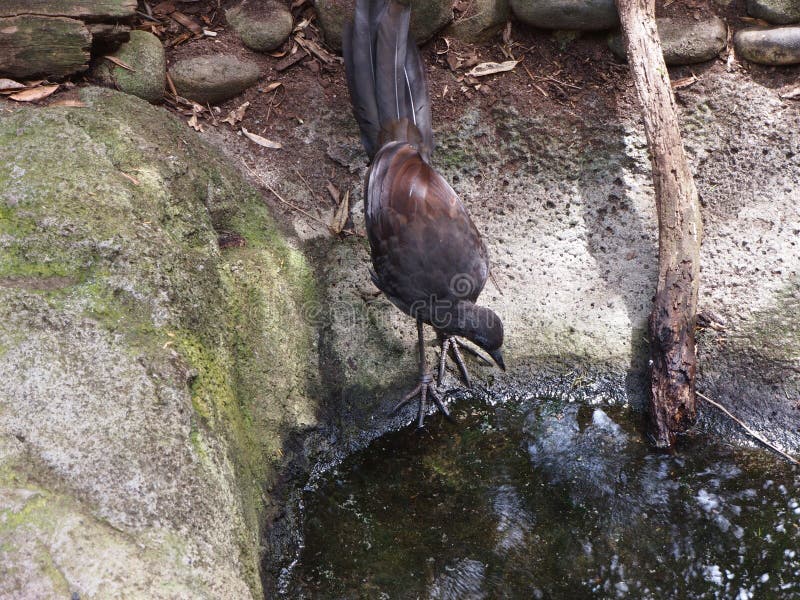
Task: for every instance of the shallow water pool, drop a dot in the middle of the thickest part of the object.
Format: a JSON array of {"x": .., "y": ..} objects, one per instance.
[{"x": 542, "y": 498}]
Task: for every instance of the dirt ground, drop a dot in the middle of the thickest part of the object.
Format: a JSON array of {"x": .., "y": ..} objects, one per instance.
[{"x": 558, "y": 71}]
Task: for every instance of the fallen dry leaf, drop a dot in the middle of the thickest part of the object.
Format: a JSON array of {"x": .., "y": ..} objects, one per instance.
[
  {"x": 312, "y": 47},
  {"x": 754, "y": 21},
  {"x": 341, "y": 214},
  {"x": 119, "y": 63},
  {"x": 261, "y": 141},
  {"x": 194, "y": 123},
  {"x": 470, "y": 61},
  {"x": 180, "y": 39},
  {"x": 792, "y": 94},
  {"x": 684, "y": 82},
  {"x": 334, "y": 192},
  {"x": 507, "y": 34},
  {"x": 490, "y": 68},
  {"x": 9, "y": 85},
  {"x": 272, "y": 86},
  {"x": 453, "y": 62},
  {"x": 301, "y": 25},
  {"x": 290, "y": 61},
  {"x": 34, "y": 94},
  {"x": 187, "y": 21},
  {"x": 236, "y": 115}
]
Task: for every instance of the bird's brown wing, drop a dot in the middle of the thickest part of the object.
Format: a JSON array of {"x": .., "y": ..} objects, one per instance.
[{"x": 425, "y": 247}]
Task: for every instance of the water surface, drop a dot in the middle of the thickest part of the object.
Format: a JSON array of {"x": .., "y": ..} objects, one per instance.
[{"x": 542, "y": 498}]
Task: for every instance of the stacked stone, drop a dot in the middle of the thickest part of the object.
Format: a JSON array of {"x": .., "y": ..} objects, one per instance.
[
  {"x": 771, "y": 45},
  {"x": 54, "y": 39},
  {"x": 684, "y": 41}
]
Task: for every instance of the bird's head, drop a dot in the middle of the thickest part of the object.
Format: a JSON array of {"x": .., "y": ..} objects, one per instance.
[{"x": 481, "y": 326}]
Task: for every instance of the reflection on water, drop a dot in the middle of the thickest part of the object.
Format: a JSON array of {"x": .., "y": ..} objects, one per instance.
[{"x": 539, "y": 498}]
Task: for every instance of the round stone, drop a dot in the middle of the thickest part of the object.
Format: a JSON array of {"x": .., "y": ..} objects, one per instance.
[
  {"x": 213, "y": 78},
  {"x": 145, "y": 55},
  {"x": 779, "y": 12},
  {"x": 583, "y": 15},
  {"x": 684, "y": 41},
  {"x": 776, "y": 46},
  {"x": 262, "y": 27},
  {"x": 482, "y": 20}
]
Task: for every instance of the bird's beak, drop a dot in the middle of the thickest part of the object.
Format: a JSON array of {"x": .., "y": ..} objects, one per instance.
[{"x": 497, "y": 355}]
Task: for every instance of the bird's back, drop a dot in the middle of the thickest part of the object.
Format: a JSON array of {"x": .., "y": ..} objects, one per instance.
[{"x": 426, "y": 251}]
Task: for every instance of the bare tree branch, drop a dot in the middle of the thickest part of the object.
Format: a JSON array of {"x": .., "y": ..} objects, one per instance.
[{"x": 672, "y": 322}]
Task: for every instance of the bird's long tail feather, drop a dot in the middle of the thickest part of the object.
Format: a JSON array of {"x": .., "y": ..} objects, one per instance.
[{"x": 386, "y": 77}]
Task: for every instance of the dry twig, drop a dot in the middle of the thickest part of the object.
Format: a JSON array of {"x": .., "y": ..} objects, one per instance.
[
  {"x": 282, "y": 199},
  {"x": 749, "y": 431}
]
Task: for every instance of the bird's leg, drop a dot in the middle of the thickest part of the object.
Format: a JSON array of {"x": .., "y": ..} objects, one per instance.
[{"x": 425, "y": 386}]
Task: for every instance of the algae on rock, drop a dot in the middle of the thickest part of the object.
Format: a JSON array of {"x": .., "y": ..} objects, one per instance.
[{"x": 150, "y": 378}]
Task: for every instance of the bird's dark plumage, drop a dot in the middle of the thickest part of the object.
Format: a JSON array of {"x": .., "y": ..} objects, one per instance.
[{"x": 427, "y": 255}]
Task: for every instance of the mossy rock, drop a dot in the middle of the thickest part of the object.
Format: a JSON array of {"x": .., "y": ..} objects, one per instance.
[
  {"x": 151, "y": 379},
  {"x": 147, "y": 75}
]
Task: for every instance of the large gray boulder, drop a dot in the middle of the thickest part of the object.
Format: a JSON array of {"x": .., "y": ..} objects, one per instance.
[{"x": 150, "y": 378}]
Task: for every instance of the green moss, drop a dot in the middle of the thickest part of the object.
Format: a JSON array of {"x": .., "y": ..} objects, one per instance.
[
  {"x": 451, "y": 155},
  {"x": 30, "y": 513},
  {"x": 12, "y": 224},
  {"x": 212, "y": 393},
  {"x": 12, "y": 265}
]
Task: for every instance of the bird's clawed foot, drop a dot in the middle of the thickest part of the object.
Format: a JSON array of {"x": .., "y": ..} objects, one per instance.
[
  {"x": 454, "y": 344},
  {"x": 423, "y": 390}
]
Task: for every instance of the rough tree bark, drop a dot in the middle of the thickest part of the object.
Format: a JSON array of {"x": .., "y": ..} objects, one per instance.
[{"x": 672, "y": 322}]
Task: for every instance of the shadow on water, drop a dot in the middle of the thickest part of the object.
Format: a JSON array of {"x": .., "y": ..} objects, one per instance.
[{"x": 540, "y": 497}]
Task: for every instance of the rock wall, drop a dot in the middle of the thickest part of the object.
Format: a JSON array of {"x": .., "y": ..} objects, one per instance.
[{"x": 564, "y": 200}]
